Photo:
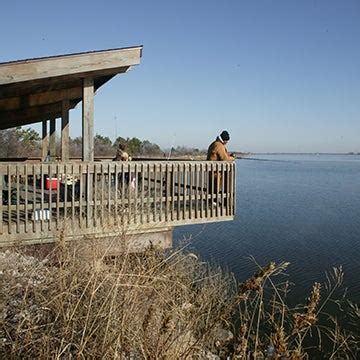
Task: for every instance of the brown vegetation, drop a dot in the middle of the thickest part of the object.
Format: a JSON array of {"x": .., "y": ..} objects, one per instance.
[{"x": 158, "y": 305}]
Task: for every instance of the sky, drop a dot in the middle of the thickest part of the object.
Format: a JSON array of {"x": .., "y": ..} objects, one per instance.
[{"x": 278, "y": 75}]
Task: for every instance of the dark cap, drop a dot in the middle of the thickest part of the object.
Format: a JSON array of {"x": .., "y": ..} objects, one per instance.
[{"x": 225, "y": 136}]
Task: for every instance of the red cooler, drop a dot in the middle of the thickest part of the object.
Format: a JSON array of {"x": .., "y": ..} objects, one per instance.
[{"x": 53, "y": 183}]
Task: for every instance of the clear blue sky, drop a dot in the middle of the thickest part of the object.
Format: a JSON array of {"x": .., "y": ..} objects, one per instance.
[{"x": 280, "y": 76}]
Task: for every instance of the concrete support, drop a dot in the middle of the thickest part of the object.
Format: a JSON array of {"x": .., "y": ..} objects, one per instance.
[{"x": 134, "y": 243}]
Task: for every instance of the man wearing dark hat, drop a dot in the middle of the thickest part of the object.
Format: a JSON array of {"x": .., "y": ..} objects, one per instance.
[
  {"x": 217, "y": 152},
  {"x": 217, "y": 149}
]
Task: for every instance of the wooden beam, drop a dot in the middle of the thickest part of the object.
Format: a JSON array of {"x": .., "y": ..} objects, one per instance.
[
  {"x": 38, "y": 86},
  {"x": 31, "y": 112},
  {"x": 45, "y": 141},
  {"x": 14, "y": 118},
  {"x": 65, "y": 131},
  {"x": 58, "y": 83},
  {"x": 26, "y": 120},
  {"x": 50, "y": 67},
  {"x": 88, "y": 120},
  {"x": 52, "y": 139},
  {"x": 44, "y": 98}
]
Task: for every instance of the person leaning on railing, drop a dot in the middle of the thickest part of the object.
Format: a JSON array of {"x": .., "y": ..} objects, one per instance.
[{"x": 217, "y": 152}]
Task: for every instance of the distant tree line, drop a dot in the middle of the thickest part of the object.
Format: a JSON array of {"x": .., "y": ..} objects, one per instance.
[
  {"x": 19, "y": 142},
  {"x": 103, "y": 146},
  {"x": 185, "y": 151}
]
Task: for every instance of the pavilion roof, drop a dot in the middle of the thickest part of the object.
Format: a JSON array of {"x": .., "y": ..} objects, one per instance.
[{"x": 33, "y": 90}]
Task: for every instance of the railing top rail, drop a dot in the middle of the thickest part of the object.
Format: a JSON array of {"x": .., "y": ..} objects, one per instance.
[
  {"x": 36, "y": 159},
  {"x": 19, "y": 163},
  {"x": 109, "y": 166}
]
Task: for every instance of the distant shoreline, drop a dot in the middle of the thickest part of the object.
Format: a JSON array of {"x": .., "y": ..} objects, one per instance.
[{"x": 311, "y": 153}]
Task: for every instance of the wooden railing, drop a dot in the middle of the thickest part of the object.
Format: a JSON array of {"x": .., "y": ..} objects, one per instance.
[{"x": 39, "y": 200}]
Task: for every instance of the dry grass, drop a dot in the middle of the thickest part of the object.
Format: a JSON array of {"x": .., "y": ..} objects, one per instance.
[{"x": 158, "y": 305}]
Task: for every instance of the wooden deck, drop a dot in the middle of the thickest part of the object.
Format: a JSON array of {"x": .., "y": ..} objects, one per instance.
[{"x": 106, "y": 198}]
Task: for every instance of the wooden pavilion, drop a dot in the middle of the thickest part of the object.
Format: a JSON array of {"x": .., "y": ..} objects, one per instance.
[{"x": 95, "y": 198}]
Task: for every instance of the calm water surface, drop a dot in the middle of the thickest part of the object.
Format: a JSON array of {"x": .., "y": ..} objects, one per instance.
[{"x": 304, "y": 209}]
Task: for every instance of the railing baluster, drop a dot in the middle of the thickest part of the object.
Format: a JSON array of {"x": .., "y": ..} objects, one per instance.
[
  {"x": 129, "y": 192},
  {"x": 17, "y": 199},
  {"x": 50, "y": 195},
  {"x": 109, "y": 194},
  {"x": 179, "y": 192},
  {"x": 228, "y": 173},
  {"x": 202, "y": 185},
  {"x": 95, "y": 195},
  {"x": 100, "y": 176},
  {"x": 167, "y": 192},
  {"x": 233, "y": 189},
  {"x": 65, "y": 198},
  {"x": 2, "y": 180},
  {"x": 149, "y": 192},
  {"x": 191, "y": 190},
  {"x": 161, "y": 191},
  {"x": 206, "y": 184},
  {"x": 26, "y": 214},
  {"x": 173, "y": 192},
  {"x": 136, "y": 215},
  {"x": 211, "y": 189},
  {"x": 95, "y": 217},
  {"x": 116, "y": 191},
  {"x": 218, "y": 188},
  {"x": 88, "y": 196},
  {"x": 222, "y": 199},
  {"x": 34, "y": 199},
  {"x": 102, "y": 182},
  {"x": 122, "y": 194},
  {"x": 197, "y": 186},
  {"x": 42, "y": 187},
  {"x": 9, "y": 198},
  {"x": 184, "y": 193},
  {"x": 81, "y": 176},
  {"x": 142, "y": 193},
  {"x": 155, "y": 193},
  {"x": 74, "y": 181},
  {"x": 58, "y": 176}
]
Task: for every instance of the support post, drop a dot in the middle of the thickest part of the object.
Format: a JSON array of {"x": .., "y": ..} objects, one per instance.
[
  {"x": 65, "y": 131},
  {"x": 52, "y": 139},
  {"x": 88, "y": 120},
  {"x": 44, "y": 141}
]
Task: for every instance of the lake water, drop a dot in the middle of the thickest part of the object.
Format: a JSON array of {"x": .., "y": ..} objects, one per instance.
[{"x": 304, "y": 209}]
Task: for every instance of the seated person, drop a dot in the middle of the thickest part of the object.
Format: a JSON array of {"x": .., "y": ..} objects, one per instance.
[
  {"x": 121, "y": 154},
  {"x": 69, "y": 181}
]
